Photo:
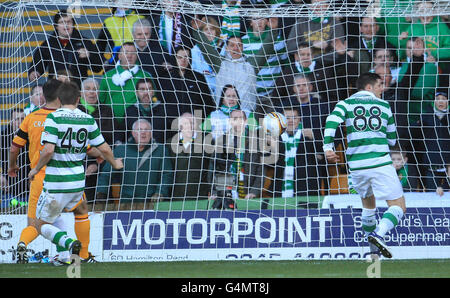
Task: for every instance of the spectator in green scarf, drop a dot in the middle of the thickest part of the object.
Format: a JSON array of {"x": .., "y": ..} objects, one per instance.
[{"x": 118, "y": 86}]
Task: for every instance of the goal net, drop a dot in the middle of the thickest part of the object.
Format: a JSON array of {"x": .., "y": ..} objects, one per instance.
[{"x": 180, "y": 90}]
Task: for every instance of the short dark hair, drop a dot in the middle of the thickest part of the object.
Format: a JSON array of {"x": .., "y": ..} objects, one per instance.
[
  {"x": 17, "y": 110},
  {"x": 34, "y": 88},
  {"x": 397, "y": 150},
  {"x": 365, "y": 79},
  {"x": 235, "y": 35},
  {"x": 62, "y": 14},
  {"x": 69, "y": 93},
  {"x": 128, "y": 43},
  {"x": 145, "y": 81},
  {"x": 303, "y": 45},
  {"x": 291, "y": 108},
  {"x": 183, "y": 48},
  {"x": 50, "y": 90}
]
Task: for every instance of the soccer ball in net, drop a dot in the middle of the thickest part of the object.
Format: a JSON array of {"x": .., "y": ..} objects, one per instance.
[{"x": 274, "y": 124}]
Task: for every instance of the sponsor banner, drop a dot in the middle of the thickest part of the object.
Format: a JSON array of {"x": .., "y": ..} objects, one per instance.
[
  {"x": 12, "y": 225},
  {"x": 214, "y": 234},
  {"x": 257, "y": 235},
  {"x": 270, "y": 254}
]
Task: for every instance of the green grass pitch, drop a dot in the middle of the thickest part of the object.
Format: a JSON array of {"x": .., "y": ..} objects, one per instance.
[{"x": 435, "y": 268}]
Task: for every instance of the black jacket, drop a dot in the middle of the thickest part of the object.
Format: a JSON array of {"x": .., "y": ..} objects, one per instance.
[
  {"x": 436, "y": 135},
  {"x": 186, "y": 94},
  {"x": 153, "y": 57},
  {"x": 190, "y": 170},
  {"x": 157, "y": 118},
  {"x": 380, "y": 43}
]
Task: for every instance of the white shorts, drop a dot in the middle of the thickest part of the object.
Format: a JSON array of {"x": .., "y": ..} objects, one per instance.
[
  {"x": 50, "y": 206},
  {"x": 382, "y": 182}
]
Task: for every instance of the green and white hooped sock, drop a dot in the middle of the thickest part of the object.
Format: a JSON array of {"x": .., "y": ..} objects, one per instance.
[
  {"x": 369, "y": 220},
  {"x": 61, "y": 224},
  {"x": 390, "y": 220}
]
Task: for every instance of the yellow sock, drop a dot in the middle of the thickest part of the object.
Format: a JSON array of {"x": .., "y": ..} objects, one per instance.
[
  {"x": 28, "y": 235},
  {"x": 82, "y": 230}
]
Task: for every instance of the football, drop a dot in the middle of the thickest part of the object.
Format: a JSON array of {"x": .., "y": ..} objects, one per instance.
[{"x": 274, "y": 124}]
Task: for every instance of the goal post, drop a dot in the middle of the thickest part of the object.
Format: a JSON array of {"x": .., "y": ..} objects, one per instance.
[{"x": 180, "y": 88}]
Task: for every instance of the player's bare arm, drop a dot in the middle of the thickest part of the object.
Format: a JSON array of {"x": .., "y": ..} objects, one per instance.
[
  {"x": 108, "y": 155},
  {"x": 95, "y": 153},
  {"x": 13, "y": 168},
  {"x": 331, "y": 156}
]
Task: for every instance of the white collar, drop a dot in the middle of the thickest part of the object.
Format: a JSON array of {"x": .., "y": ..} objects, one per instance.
[{"x": 365, "y": 94}]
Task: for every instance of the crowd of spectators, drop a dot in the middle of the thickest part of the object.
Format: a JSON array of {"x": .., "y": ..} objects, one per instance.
[{"x": 171, "y": 78}]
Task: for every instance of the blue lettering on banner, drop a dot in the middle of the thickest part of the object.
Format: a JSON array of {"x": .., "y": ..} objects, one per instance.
[{"x": 266, "y": 228}]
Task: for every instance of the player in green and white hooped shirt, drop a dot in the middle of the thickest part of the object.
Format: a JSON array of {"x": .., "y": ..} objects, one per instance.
[
  {"x": 370, "y": 131},
  {"x": 67, "y": 134},
  {"x": 253, "y": 42}
]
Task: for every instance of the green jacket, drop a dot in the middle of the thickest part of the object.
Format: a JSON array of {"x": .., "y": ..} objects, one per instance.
[
  {"x": 391, "y": 25},
  {"x": 120, "y": 98},
  {"x": 154, "y": 176}
]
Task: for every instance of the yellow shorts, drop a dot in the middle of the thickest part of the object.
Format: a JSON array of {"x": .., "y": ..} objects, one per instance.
[{"x": 36, "y": 187}]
